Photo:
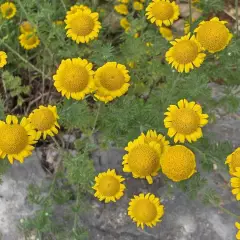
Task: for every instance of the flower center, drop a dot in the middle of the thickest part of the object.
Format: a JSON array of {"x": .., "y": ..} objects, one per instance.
[
  {"x": 75, "y": 78},
  {"x": 14, "y": 140},
  {"x": 185, "y": 51},
  {"x": 112, "y": 78},
  {"x": 162, "y": 10},
  {"x": 108, "y": 186},
  {"x": 144, "y": 211},
  {"x": 185, "y": 121},
  {"x": 213, "y": 36},
  {"x": 43, "y": 119},
  {"x": 30, "y": 39},
  {"x": 235, "y": 160},
  {"x": 82, "y": 25},
  {"x": 9, "y": 11},
  {"x": 143, "y": 160}
]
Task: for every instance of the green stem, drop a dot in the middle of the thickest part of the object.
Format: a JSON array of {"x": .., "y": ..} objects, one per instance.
[
  {"x": 236, "y": 8},
  {"x": 190, "y": 14},
  {"x": 64, "y": 6}
]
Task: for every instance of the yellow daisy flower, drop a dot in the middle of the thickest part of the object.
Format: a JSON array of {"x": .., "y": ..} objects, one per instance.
[
  {"x": 149, "y": 44},
  {"x": 26, "y": 27},
  {"x": 123, "y": 1},
  {"x": 233, "y": 161},
  {"x": 166, "y": 33},
  {"x": 213, "y": 35},
  {"x": 83, "y": 26},
  {"x": 111, "y": 81},
  {"x": 137, "y": 6},
  {"x": 29, "y": 40},
  {"x": 75, "y": 8},
  {"x": 162, "y": 12},
  {"x": 142, "y": 159},
  {"x": 145, "y": 210},
  {"x": 3, "y": 59},
  {"x": 124, "y": 23},
  {"x": 185, "y": 54},
  {"x": 122, "y": 9},
  {"x": 109, "y": 186},
  {"x": 178, "y": 163},
  {"x": 44, "y": 121},
  {"x": 152, "y": 136},
  {"x": 237, "y": 224},
  {"x": 185, "y": 121},
  {"x": 235, "y": 183},
  {"x": 8, "y": 10},
  {"x": 131, "y": 64},
  {"x": 74, "y": 78},
  {"x": 18, "y": 139}
]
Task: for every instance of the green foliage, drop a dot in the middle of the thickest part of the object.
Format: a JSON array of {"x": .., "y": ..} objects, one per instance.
[{"x": 2, "y": 115}]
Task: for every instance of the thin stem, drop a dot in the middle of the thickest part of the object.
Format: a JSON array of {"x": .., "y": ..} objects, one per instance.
[
  {"x": 190, "y": 14},
  {"x": 64, "y": 6},
  {"x": 236, "y": 8}
]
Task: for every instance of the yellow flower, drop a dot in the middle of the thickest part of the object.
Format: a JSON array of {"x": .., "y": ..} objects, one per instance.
[
  {"x": 136, "y": 35},
  {"x": 122, "y": 9},
  {"x": 149, "y": 44},
  {"x": 233, "y": 161},
  {"x": 8, "y": 10},
  {"x": 142, "y": 159},
  {"x": 138, "y": 6},
  {"x": 145, "y": 210},
  {"x": 59, "y": 22},
  {"x": 3, "y": 59},
  {"x": 235, "y": 183},
  {"x": 162, "y": 12},
  {"x": 178, "y": 163},
  {"x": 185, "y": 121},
  {"x": 44, "y": 121},
  {"x": 82, "y": 26},
  {"x": 108, "y": 186},
  {"x": 26, "y": 27},
  {"x": 187, "y": 26},
  {"x": 111, "y": 81},
  {"x": 238, "y": 233},
  {"x": 213, "y": 35},
  {"x": 166, "y": 33},
  {"x": 185, "y": 54},
  {"x": 29, "y": 40},
  {"x": 152, "y": 136},
  {"x": 75, "y": 8},
  {"x": 125, "y": 24},
  {"x": 131, "y": 64},
  {"x": 17, "y": 139},
  {"x": 123, "y": 1},
  {"x": 74, "y": 78}
]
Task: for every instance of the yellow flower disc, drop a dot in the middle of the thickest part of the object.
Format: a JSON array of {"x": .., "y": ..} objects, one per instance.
[
  {"x": 237, "y": 225},
  {"x": 125, "y": 24},
  {"x": 74, "y": 78},
  {"x": 185, "y": 54},
  {"x": 26, "y": 27},
  {"x": 109, "y": 186},
  {"x": 44, "y": 120},
  {"x": 142, "y": 160},
  {"x": 111, "y": 81},
  {"x": 145, "y": 210},
  {"x": 29, "y": 40},
  {"x": 162, "y": 12},
  {"x": 185, "y": 121},
  {"x": 213, "y": 35},
  {"x": 178, "y": 163},
  {"x": 3, "y": 59},
  {"x": 8, "y": 10},
  {"x": 235, "y": 183},
  {"x": 18, "y": 139},
  {"x": 82, "y": 26},
  {"x": 233, "y": 161},
  {"x": 122, "y": 9},
  {"x": 166, "y": 33}
]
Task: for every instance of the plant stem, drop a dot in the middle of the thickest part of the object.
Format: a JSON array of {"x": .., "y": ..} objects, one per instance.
[
  {"x": 64, "y": 6},
  {"x": 190, "y": 14},
  {"x": 236, "y": 8}
]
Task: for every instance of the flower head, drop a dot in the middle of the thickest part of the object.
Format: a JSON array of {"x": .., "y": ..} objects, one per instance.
[
  {"x": 26, "y": 27},
  {"x": 237, "y": 224},
  {"x": 44, "y": 121},
  {"x": 82, "y": 26},
  {"x": 123, "y": 1},
  {"x": 122, "y": 9},
  {"x": 178, "y": 163},
  {"x": 235, "y": 183},
  {"x": 29, "y": 40},
  {"x": 213, "y": 35},
  {"x": 138, "y": 6},
  {"x": 185, "y": 54},
  {"x": 74, "y": 78},
  {"x": 162, "y": 12},
  {"x": 142, "y": 159},
  {"x": 75, "y": 8},
  {"x": 145, "y": 210},
  {"x": 8, "y": 10},
  {"x": 233, "y": 161},
  {"x": 109, "y": 186},
  {"x": 184, "y": 121},
  {"x": 124, "y": 23},
  {"x": 166, "y": 33},
  {"x": 111, "y": 81},
  {"x": 3, "y": 59},
  {"x": 17, "y": 139}
]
